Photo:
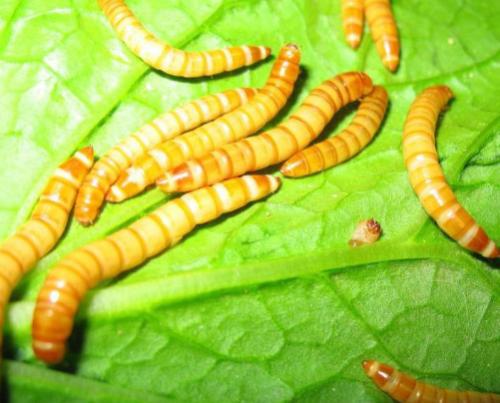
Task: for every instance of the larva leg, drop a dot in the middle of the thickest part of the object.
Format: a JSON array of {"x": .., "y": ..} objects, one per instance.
[
  {"x": 346, "y": 144},
  {"x": 173, "y": 61},
  {"x": 33, "y": 240},
  {"x": 164, "y": 127},
  {"x": 238, "y": 124},
  {"x": 272, "y": 146},
  {"x": 427, "y": 178},
  {"x": 352, "y": 21},
  {"x": 384, "y": 31},
  {"x": 68, "y": 282},
  {"x": 403, "y": 388}
]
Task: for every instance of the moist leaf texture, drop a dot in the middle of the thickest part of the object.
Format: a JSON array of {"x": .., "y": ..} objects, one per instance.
[{"x": 267, "y": 304}]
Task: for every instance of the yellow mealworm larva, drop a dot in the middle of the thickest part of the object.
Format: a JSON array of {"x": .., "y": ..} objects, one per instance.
[
  {"x": 174, "y": 61},
  {"x": 162, "y": 128},
  {"x": 403, "y": 388},
  {"x": 427, "y": 178},
  {"x": 366, "y": 232},
  {"x": 274, "y": 145},
  {"x": 240, "y": 123},
  {"x": 384, "y": 31},
  {"x": 352, "y": 21},
  {"x": 346, "y": 144},
  {"x": 68, "y": 282},
  {"x": 40, "y": 233}
]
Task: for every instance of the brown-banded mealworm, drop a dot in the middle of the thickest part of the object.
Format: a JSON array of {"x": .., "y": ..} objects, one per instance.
[
  {"x": 403, "y": 388},
  {"x": 174, "y": 61},
  {"x": 69, "y": 281},
  {"x": 427, "y": 178}
]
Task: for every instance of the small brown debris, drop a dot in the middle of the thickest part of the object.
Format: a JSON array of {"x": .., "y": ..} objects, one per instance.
[{"x": 367, "y": 232}]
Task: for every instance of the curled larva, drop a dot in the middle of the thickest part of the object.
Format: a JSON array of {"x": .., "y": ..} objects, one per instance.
[
  {"x": 403, "y": 388},
  {"x": 352, "y": 21},
  {"x": 240, "y": 123},
  {"x": 274, "y": 145},
  {"x": 162, "y": 128},
  {"x": 346, "y": 144},
  {"x": 42, "y": 231},
  {"x": 427, "y": 178},
  {"x": 366, "y": 232},
  {"x": 169, "y": 59},
  {"x": 69, "y": 281},
  {"x": 384, "y": 31}
]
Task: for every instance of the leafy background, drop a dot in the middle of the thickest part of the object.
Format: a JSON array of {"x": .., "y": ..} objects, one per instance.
[{"x": 268, "y": 304}]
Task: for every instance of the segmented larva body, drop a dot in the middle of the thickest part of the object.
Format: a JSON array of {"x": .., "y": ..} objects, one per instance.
[
  {"x": 34, "y": 239},
  {"x": 274, "y": 145},
  {"x": 174, "y": 61},
  {"x": 346, "y": 144},
  {"x": 427, "y": 178},
  {"x": 68, "y": 282},
  {"x": 403, "y": 388},
  {"x": 384, "y": 31},
  {"x": 164, "y": 127},
  {"x": 352, "y": 21},
  {"x": 233, "y": 126}
]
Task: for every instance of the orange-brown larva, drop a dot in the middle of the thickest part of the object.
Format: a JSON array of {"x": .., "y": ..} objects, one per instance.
[
  {"x": 169, "y": 59},
  {"x": 384, "y": 31},
  {"x": 274, "y": 145},
  {"x": 346, "y": 144},
  {"x": 42, "y": 231},
  {"x": 365, "y": 233},
  {"x": 427, "y": 178},
  {"x": 352, "y": 21},
  {"x": 69, "y": 281},
  {"x": 162, "y": 128},
  {"x": 403, "y": 388},
  {"x": 233, "y": 126}
]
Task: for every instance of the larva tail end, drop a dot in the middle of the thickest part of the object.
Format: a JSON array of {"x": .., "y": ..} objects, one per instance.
[
  {"x": 88, "y": 152},
  {"x": 391, "y": 64},
  {"x": 290, "y": 52},
  {"x": 367, "y": 83},
  {"x": 84, "y": 215},
  {"x": 491, "y": 251},
  {"x": 353, "y": 40},
  {"x": 367, "y": 365},
  {"x": 49, "y": 352}
]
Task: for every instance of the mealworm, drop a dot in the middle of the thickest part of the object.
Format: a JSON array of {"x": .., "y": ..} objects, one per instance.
[
  {"x": 384, "y": 31},
  {"x": 346, "y": 144},
  {"x": 403, "y": 388},
  {"x": 174, "y": 61},
  {"x": 34, "y": 239},
  {"x": 162, "y": 128},
  {"x": 366, "y": 232},
  {"x": 81, "y": 270},
  {"x": 427, "y": 178},
  {"x": 240, "y": 123},
  {"x": 352, "y": 21},
  {"x": 274, "y": 145}
]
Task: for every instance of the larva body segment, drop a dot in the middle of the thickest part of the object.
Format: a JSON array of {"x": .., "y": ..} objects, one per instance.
[
  {"x": 68, "y": 282},
  {"x": 403, "y": 388},
  {"x": 346, "y": 144},
  {"x": 34, "y": 239},
  {"x": 174, "y": 61},
  {"x": 162, "y": 128},
  {"x": 427, "y": 178},
  {"x": 238, "y": 124},
  {"x": 352, "y": 21},
  {"x": 274, "y": 145},
  {"x": 384, "y": 31}
]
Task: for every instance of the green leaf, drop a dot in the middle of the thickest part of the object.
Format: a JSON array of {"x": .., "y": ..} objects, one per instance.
[{"x": 269, "y": 304}]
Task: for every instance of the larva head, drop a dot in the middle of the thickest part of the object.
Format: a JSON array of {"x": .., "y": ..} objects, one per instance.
[
  {"x": 260, "y": 186},
  {"x": 49, "y": 352},
  {"x": 378, "y": 372},
  {"x": 366, "y": 83},
  {"x": 443, "y": 92},
  {"x": 291, "y": 53},
  {"x": 379, "y": 93}
]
